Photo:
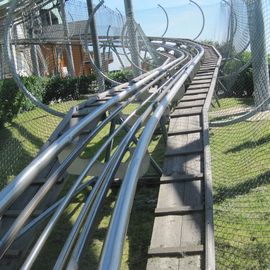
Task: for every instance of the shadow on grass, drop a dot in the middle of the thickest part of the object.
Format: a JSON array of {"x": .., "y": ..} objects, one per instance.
[
  {"x": 249, "y": 145},
  {"x": 13, "y": 156},
  {"x": 224, "y": 193}
]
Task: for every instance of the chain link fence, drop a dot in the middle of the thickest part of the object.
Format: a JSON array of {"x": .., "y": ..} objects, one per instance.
[
  {"x": 240, "y": 140},
  {"x": 47, "y": 45}
]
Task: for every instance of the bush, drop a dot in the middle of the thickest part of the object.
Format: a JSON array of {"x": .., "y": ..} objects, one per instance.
[
  {"x": 13, "y": 101},
  {"x": 121, "y": 76},
  {"x": 69, "y": 88},
  {"x": 47, "y": 90}
]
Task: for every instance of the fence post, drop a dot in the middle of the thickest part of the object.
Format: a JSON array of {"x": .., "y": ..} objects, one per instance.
[
  {"x": 258, "y": 52},
  {"x": 133, "y": 40},
  {"x": 95, "y": 44}
]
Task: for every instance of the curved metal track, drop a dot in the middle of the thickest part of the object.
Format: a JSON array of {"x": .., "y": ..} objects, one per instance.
[{"x": 30, "y": 205}]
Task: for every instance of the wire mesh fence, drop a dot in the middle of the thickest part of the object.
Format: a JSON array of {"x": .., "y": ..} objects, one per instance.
[
  {"x": 50, "y": 57},
  {"x": 239, "y": 141}
]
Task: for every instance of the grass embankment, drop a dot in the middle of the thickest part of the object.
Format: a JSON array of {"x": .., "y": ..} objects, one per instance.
[
  {"x": 241, "y": 179},
  {"x": 23, "y": 138}
]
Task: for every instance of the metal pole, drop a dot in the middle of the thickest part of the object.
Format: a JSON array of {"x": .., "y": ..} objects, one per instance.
[
  {"x": 258, "y": 52},
  {"x": 95, "y": 44},
  {"x": 71, "y": 69},
  {"x": 33, "y": 49},
  {"x": 2, "y": 72},
  {"x": 134, "y": 44}
]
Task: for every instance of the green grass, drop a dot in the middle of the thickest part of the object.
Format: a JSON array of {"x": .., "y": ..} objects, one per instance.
[
  {"x": 241, "y": 181},
  {"x": 22, "y": 140},
  {"x": 226, "y": 103}
]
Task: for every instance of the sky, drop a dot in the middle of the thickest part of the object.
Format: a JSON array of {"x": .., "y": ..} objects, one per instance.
[
  {"x": 148, "y": 4},
  {"x": 185, "y": 19}
]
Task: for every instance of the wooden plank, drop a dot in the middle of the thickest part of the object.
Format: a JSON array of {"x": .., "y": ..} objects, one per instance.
[
  {"x": 166, "y": 232},
  {"x": 198, "y": 86},
  {"x": 202, "y": 77},
  {"x": 187, "y": 104},
  {"x": 176, "y": 251},
  {"x": 185, "y": 204},
  {"x": 184, "y": 123},
  {"x": 201, "y": 81},
  {"x": 186, "y": 112},
  {"x": 176, "y": 198},
  {"x": 194, "y": 97},
  {"x": 180, "y": 178},
  {"x": 194, "y": 262},
  {"x": 192, "y": 232},
  {"x": 184, "y": 152},
  {"x": 185, "y": 131},
  {"x": 195, "y": 92},
  {"x": 202, "y": 74},
  {"x": 162, "y": 263},
  {"x": 178, "y": 210}
]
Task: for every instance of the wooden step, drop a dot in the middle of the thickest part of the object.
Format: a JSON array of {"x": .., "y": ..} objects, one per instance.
[
  {"x": 201, "y": 81},
  {"x": 202, "y": 77},
  {"x": 189, "y": 104},
  {"x": 186, "y": 112},
  {"x": 183, "y": 152},
  {"x": 197, "y": 92},
  {"x": 176, "y": 251},
  {"x": 194, "y": 97},
  {"x": 178, "y": 210},
  {"x": 180, "y": 178},
  {"x": 198, "y": 86},
  {"x": 185, "y": 131}
]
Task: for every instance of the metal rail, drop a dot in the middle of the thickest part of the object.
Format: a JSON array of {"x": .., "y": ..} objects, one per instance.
[{"x": 168, "y": 79}]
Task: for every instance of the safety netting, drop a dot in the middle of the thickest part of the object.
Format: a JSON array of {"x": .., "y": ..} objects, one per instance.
[
  {"x": 240, "y": 148},
  {"x": 54, "y": 64}
]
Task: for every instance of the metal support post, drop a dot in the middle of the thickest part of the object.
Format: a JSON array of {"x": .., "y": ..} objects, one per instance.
[
  {"x": 133, "y": 40},
  {"x": 95, "y": 44},
  {"x": 33, "y": 49},
  {"x": 258, "y": 52},
  {"x": 71, "y": 68},
  {"x": 2, "y": 71},
  {"x": 163, "y": 128},
  {"x": 154, "y": 164},
  {"x": 110, "y": 146}
]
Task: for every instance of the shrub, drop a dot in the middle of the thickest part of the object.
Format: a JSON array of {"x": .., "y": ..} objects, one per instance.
[
  {"x": 13, "y": 101},
  {"x": 121, "y": 76},
  {"x": 69, "y": 88},
  {"x": 85, "y": 84},
  {"x": 47, "y": 90}
]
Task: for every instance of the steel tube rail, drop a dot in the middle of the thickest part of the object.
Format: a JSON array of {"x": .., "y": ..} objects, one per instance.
[
  {"x": 76, "y": 229},
  {"x": 27, "y": 176},
  {"x": 52, "y": 208},
  {"x": 10, "y": 236},
  {"x": 111, "y": 255},
  {"x": 39, "y": 244},
  {"x": 91, "y": 217},
  {"x": 35, "y": 251}
]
